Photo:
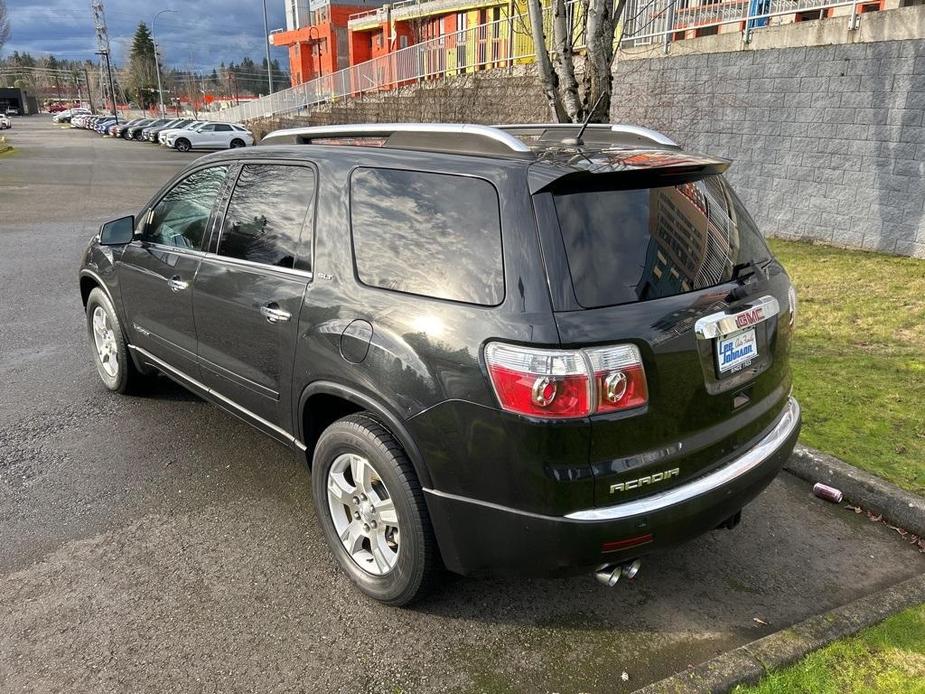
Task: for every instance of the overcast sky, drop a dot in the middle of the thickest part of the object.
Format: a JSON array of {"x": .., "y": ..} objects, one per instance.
[{"x": 203, "y": 33}]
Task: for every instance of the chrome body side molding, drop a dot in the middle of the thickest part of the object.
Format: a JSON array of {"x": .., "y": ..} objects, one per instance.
[{"x": 172, "y": 371}]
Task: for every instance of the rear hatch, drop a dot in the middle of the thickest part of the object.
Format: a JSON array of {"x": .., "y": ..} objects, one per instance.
[{"x": 661, "y": 253}]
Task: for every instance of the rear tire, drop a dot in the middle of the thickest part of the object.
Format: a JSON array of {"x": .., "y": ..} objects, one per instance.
[
  {"x": 394, "y": 557},
  {"x": 110, "y": 349},
  {"x": 183, "y": 145},
  {"x": 237, "y": 142}
]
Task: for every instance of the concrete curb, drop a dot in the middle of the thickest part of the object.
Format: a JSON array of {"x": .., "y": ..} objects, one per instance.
[
  {"x": 749, "y": 663},
  {"x": 901, "y": 508}
]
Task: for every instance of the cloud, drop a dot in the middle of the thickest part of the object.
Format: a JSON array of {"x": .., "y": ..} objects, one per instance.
[{"x": 202, "y": 33}]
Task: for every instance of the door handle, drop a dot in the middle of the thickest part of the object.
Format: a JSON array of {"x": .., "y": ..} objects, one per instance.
[
  {"x": 176, "y": 284},
  {"x": 274, "y": 314}
]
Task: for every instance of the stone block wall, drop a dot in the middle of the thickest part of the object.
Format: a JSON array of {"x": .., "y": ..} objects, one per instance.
[{"x": 827, "y": 142}]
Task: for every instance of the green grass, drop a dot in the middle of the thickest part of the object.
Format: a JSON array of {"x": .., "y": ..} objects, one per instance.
[
  {"x": 859, "y": 357},
  {"x": 887, "y": 659}
]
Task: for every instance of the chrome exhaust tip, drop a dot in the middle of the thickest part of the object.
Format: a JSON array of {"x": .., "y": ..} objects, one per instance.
[
  {"x": 610, "y": 574},
  {"x": 630, "y": 570}
]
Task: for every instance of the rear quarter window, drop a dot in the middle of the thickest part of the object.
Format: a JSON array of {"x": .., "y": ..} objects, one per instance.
[{"x": 434, "y": 235}]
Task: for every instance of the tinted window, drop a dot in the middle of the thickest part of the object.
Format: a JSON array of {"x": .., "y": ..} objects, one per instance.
[
  {"x": 428, "y": 234},
  {"x": 222, "y": 128},
  {"x": 180, "y": 218},
  {"x": 266, "y": 213},
  {"x": 634, "y": 245}
]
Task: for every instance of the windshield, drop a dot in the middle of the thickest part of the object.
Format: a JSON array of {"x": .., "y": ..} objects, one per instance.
[{"x": 638, "y": 244}]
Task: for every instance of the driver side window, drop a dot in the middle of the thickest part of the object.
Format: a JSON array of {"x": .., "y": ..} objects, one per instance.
[{"x": 181, "y": 216}]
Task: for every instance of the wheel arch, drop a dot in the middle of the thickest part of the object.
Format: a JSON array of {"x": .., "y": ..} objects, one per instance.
[
  {"x": 89, "y": 281},
  {"x": 341, "y": 401}
]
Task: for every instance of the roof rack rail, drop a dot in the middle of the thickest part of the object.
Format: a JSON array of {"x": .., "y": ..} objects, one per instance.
[
  {"x": 597, "y": 133},
  {"x": 439, "y": 137}
]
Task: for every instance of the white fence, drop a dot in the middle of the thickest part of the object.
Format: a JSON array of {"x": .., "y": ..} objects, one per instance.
[{"x": 508, "y": 41}]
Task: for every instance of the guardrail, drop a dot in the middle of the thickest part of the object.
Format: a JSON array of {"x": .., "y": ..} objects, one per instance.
[{"x": 507, "y": 42}]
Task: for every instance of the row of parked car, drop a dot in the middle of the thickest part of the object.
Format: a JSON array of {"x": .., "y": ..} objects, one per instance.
[{"x": 182, "y": 134}]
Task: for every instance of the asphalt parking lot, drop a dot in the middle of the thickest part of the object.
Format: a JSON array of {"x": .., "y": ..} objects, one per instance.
[{"x": 155, "y": 543}]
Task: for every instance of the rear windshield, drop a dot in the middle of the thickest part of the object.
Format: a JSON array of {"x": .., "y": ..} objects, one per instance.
[{"x": 638, "y": 244}]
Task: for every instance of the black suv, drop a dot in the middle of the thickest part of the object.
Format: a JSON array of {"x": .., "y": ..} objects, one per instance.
[{"x": 525, "y": 349}]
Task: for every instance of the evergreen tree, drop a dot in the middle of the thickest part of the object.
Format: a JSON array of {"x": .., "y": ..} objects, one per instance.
[{"x": 142, "y": 78}]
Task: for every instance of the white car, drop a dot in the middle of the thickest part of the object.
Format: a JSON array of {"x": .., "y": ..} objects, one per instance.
[
  {"x": 5, "y": 122},
  {"x": 164, "y": 134},
  {"x": 65, "y": 116},
  {"x": 211, "y": 136}
]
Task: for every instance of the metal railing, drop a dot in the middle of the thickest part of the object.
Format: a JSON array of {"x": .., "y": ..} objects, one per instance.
[
  {"x": 507, "y": 42},
  {"x": 662, "y": 21}
]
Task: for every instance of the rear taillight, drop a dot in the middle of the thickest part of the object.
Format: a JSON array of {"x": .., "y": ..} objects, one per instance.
[
  {"x": 619, "y": 379},
  {"x": 562, "y": 384}
]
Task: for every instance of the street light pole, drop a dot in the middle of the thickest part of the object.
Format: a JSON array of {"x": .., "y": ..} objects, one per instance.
[
  {"x": 266, "y": 37},
  {"x": 157, "y": 61}
]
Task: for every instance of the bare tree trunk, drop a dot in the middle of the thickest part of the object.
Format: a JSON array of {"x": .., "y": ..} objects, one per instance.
[
  {"x": 597, "y": 80},
  {"x": 548, "y": 77},
  {"x": 563, "y": 63}
]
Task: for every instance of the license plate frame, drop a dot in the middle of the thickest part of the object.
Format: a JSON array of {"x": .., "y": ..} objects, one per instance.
[{"x": 735, "y": 351}]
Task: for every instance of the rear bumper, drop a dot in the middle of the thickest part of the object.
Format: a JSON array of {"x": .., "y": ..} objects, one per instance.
[{"x": 476, "y": 536}]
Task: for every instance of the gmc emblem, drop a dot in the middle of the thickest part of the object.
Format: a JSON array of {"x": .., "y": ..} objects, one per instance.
[{"x": 750, "y": 317}]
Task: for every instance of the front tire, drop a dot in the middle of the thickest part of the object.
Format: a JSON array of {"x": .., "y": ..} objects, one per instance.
[
  {"x": 110, "y": 350},
  {"x": 372, "y": 511},
  {"x": 183, "y": 145}
]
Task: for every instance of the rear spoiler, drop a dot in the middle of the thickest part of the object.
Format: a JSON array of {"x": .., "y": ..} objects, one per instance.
[{"x": 625, "y": 168}]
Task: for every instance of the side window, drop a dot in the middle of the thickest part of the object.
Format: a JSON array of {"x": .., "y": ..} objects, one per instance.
[
  {"x": 268, "y": 208},
  {"x": 222, "y": 128},
  {"x": 207, "y": 128},
  {"x": 181, "y": 216},
  {"x": 430, "y": 234}
]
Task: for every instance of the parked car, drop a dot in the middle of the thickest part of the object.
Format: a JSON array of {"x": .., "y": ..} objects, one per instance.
[
  {"x": 5, "y": 122},
  {"x": 519, "y": 350},
  {"x": 126, "y": 134},
  {"x": 135, "y": 132},
  {"x": 116, "y": 129},
  {"x": 66, "y": 115},
  {"x": 164, "y": 134},
  {"x": 12, "y": 111},
  {"x": 102, "y": 125},
  {"x": 151, "y": 133},
  {"x": 211, "y": 136}
]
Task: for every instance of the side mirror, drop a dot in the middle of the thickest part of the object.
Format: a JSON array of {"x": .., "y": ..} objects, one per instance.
[{"x": 118, "y": 232}]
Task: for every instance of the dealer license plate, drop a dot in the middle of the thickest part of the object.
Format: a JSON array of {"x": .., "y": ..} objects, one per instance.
[{"x": 736, "y": 351}]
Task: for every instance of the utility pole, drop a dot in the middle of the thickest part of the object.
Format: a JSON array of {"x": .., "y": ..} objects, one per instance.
[
  {"x": 157, "y": 61},
  {"x": 266, "y": 37},
  {"x": 102, "y": 47}
]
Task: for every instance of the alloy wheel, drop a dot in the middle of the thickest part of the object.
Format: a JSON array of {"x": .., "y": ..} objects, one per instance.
[
  {"x": 105, "y": 340},
  {"x": 364, "y": 514}
]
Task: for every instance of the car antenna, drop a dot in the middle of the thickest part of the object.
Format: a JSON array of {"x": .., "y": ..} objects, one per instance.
[{"x": 577, "y": 141}]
